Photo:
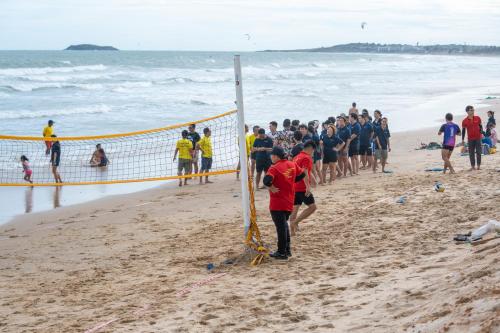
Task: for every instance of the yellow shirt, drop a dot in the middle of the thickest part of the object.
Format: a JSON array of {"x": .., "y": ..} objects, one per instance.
[
  {"x": 206, "y": 146},
  {"x": 48, "y": 131},
  {"x": 250, "y": 141},
  {"x": 184, "y": 146}
]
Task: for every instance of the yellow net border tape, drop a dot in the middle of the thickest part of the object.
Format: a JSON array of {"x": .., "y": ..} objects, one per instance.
[
  {"x": 111, "y": 136},
  {"x": 124, "y": 181}
]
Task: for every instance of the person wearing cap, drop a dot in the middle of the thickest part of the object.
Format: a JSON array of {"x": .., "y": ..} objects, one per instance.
[
  {"x": 473, "y": 126},
  {"x": 262, "y": 147},
  {"x": 280, "y": 179},
  {"x": 48, "y": 131}
]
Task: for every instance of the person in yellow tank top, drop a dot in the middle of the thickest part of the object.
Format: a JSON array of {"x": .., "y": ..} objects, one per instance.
[
  {"x": 48, "y": 131},
  {"x": 205, "y": 146},
  {"x": 184, "y": 148}
]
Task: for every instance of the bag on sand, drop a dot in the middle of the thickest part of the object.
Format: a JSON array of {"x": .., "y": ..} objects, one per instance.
[{"x": 486, "y": 149}]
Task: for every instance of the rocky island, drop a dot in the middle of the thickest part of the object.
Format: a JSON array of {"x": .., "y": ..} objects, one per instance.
[
  {"x": 404, "y": 48},
  {"x": 90, "y": 47}
]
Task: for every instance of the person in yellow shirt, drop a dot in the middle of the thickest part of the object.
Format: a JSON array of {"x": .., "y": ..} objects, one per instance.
[
  {"x": 184, "y": 148},
  {"x": 250, "y": 140},
  {"x": 48, "y": 131},
  {"x": 205, "y": 146}
]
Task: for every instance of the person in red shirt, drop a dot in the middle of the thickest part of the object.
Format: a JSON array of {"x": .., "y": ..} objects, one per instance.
[
  {"x": 280, "y": 179},
  {"x": 474, "y": 128},
  {"x": 303, "y": 193}
]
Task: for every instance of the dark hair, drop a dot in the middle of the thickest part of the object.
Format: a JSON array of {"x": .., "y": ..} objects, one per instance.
[
  {"x": 331, "y": 120},
  {"x": 262, "y": 131},
  {"x": 365, "y": 111},
  {"x": 310, "y": 143},
  {"x": 365, "y": 116},
  {"x": 469, "y": 108},
  {"x": 491, "y": 112},
  {"x": 302, "y": 126},
  {"x": 311, "y": 123},
  {"x": 101, "y": 150},
  {"x": 287, "y": 123},
  {"x": 310, "y": 128},
  {"x": 295, "y": 122},
  {"x": 449, "y": 117},
  {"x": 192, "y": 125},
  {"x": 377, "y": 111},
  {"x": 278, "y": 151},
  {"x": 275, "y": 124},
  {"x": 293, "y": 128},
  {"x": 354, "y": 116},
  {"x": 297, "y": 135},
  {"x": 24, "y": 158},
  {"x": 50, "y": 122},
  {"x": 354, "y": 104},
  {"x": 185, "y": 134},
  {"x": 98, "y": 145},
  {"x": 255, "y": 127},
  {"x": 206, "y": 130}
]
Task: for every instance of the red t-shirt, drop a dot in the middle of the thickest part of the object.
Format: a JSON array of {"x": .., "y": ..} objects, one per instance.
[
  {"x": 283, "y": 173},
  {"x": 472, "y": 127},
  {"x": 304, "y": 161}
]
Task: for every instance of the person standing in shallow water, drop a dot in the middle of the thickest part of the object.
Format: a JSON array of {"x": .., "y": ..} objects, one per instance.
[
  {"x": 48, "y": 131},
  {"x": 55, "y": 159},
  {"x": 473, "y": 127}
]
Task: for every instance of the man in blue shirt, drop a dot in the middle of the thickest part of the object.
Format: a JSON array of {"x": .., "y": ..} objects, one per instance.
[
  {"x": 365, "y": 140},
  {"x": 354, "y": 143},
  {"x": 262, "y": 147},
  {"x": 345, "y": 135},
  {"x": 382, "y": 144}
]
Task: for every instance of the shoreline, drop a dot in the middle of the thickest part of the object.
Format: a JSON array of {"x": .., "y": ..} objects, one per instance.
[
  {"x": 138, "y": 262},
  {"x": 422, "y": 132}
]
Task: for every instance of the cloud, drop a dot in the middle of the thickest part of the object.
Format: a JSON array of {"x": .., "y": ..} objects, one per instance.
[{"x": 220, "y": 24}]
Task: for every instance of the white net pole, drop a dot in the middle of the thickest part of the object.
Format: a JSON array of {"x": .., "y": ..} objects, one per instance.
[{"x": 245, "y": 193}]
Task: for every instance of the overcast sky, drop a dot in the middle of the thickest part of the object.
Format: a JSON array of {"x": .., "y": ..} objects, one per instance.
[{"x": 222, "y": 24}]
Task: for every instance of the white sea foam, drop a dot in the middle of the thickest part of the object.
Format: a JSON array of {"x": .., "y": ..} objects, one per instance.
[
  {"x": 24, "y": 71},
  {"x": 27, "y": 114}
]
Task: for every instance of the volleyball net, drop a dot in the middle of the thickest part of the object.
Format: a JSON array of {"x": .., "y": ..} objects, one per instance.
[{"x": 119, "y": 158}]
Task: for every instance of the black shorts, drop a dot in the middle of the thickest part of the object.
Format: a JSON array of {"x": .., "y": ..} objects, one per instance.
[
  {"x": 206, "y": 163},
  {"x": 353, "y": 150},
  {"x": 300, "y": 198},
  {"x": 262, "y": 165},
  {"x": 330, "y": 157},
  {"x": 365, "y": 150},
  {"x": 252, "y": 155},
  {"x": 450, "y": 148}
]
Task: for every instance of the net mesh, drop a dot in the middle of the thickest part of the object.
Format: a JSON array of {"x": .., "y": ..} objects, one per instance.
[{"x": 132, "y": 157}]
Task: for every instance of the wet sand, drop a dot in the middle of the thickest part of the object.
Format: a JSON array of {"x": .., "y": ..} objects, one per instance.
[{"x": 362, "y": 263}]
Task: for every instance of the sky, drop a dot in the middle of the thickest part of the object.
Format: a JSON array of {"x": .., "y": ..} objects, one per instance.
[{"x": 221, "y": 25}]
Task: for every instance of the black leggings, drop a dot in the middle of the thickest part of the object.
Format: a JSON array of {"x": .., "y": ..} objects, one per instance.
[
  {"x": 280, "y": 219},
  {"x": 475, "y": 147}
]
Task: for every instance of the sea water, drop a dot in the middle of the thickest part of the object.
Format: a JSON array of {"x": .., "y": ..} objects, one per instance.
[{"x": 90, "y": 92}]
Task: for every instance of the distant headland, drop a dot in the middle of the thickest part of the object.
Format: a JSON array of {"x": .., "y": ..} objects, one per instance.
[
  {"x": 404, "y": 48},
  {"x": 90, "y": 47}
]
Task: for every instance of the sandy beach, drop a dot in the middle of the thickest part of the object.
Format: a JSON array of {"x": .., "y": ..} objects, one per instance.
[{"x": 362, "y": 263}]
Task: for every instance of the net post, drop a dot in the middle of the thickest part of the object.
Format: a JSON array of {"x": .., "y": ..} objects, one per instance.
[{"x": 245, "y": 193}]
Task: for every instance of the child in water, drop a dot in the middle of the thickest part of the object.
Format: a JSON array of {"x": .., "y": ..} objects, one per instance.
[{"x": 26, "y": 169}]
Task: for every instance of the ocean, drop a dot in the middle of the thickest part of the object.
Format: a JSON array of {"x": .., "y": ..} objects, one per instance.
[{"x": 89, "y": 92}]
